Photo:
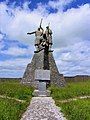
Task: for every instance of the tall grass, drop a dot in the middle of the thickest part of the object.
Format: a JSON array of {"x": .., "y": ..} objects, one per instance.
[
  {"x": 73, "y": 110},
  {"x": 76, "y": 110},
  {"x": 11, "y": 109},
  {"x": 71, "y": 90},
  {"x": 16, "y": 90}
]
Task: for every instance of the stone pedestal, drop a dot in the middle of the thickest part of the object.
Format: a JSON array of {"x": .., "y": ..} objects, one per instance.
[
  {"x": 36, "y": 93},
  {"x": 43, "y": 60},
  {"x": 42, "y": 76}
]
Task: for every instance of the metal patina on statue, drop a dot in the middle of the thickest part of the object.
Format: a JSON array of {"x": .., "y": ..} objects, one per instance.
[{"x": 43, "y": 38}]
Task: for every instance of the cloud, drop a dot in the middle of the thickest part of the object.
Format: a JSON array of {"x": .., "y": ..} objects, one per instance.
[
  {"x": 17, "y": 22},
  {"x": 1, "y": 45},
  {"x": 1, "y": 36},
  {"x": 77, "y": 23},
  {"x": 13, "y": 67},
  {"x": 71, "y": 33},
  {"x": 26, "y": 5},
  {"x": 74, "y": 59},
  {"x": 68, "y": 27},
  {"x": 59, "y": 4},
  {"x": 15, "y": 51},
  {"x": 71, "y": 60}
]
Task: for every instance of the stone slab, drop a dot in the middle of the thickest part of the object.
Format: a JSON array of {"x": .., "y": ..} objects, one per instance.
[
  {"x": 41, "y": 74},
  {"x": 36, "y": 93},
  {"x": 42, "y": 93},
  {"x": 42, "y": 86}
]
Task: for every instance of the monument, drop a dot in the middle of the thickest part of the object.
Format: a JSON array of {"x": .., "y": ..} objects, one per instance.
[
  {"x": 43, "y": 60},
  {"x": 42, "y": 76}
]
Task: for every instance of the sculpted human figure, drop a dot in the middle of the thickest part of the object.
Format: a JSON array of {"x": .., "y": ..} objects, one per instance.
[
  {"x": 43, "y": 39},
  {"x": 48, "y": 33},
  {"x": 39, "y": 36}
]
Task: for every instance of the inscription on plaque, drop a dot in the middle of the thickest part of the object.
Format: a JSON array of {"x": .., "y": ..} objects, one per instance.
[{"x": 42, "y": 74}]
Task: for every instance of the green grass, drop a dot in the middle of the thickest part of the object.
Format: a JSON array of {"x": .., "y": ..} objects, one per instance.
[
  {"x": 12, "y": 109},
  {"x": 76, "y": 110},
  {"x": 16, "y": 90},
  {"x": 73, "y": 110},
  {"x": 71, "y": 90}
]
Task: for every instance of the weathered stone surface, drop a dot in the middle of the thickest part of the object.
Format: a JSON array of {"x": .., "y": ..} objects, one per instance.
[
  {"x": 43, "y": 60},
  {"x": 41, "y": 74},
  {"x": 43, "y": 108},
  {"x": 55, "y": 77},
  {"x": 42, "y": 86},
  {"x": 37, "y": 93},
  {"x": 36, "y": 63}
]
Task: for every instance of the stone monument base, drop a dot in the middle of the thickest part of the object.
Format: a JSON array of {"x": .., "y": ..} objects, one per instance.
[
  {"x": 38, "y": 93},
  {"x": 43, "y": 60}
]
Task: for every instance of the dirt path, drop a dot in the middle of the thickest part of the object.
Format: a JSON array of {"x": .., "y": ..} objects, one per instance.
[
  {"x": 74, "y": 99},
  {"x": 62, "y": 101},
  {"x": 2, "y": 96}
]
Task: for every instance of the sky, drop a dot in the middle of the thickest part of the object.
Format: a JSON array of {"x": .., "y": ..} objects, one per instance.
[{"x": 69, "y": 21}]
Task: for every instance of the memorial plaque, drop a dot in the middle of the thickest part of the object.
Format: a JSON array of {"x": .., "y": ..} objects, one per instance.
[{"x": 42, "y": 74}]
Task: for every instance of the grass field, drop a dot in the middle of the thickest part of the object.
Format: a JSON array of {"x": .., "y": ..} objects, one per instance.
[
  {"x": 73, "y": 110},
  {"x": 76, "y": 110},
  {"x": 15, "y": 89},
  {"x": 11, "y": 109},
  {"x": 71, "y": 90}
]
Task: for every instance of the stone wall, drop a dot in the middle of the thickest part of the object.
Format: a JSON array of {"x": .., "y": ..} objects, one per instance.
[
  {"x": 77, "y": 78},
  {"x": 10, "y": 79}
]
